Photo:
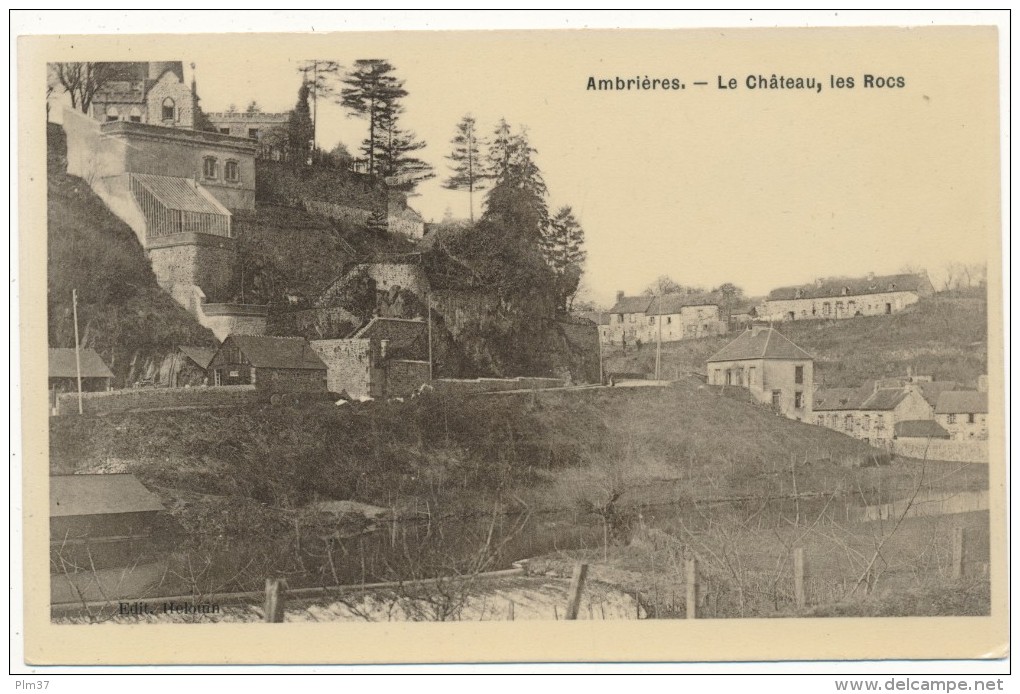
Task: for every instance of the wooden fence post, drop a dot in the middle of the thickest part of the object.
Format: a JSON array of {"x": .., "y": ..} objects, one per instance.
[
  {"x": 692, "y": 589},
  {"x": 800, "y": 588},
  {"x": 275, "y": 598},
  {"x": 576, "y": 586},
  {"x": 958, "y": 553}
]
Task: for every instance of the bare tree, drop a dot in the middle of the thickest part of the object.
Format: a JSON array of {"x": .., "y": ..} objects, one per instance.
[{"x": 82, "y": 81}]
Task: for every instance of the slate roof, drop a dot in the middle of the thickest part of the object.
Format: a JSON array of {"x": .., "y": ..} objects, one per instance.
[
  {"x": 962, "y": 402},
  {"x": 407, "y": 338},
  {"x": 200, "y": 355},
  {"x": 632, "y": 304},
  {"x": 931, "y": 390},
  {"x": 833, "y": 287},
  {"x": 828, "y": 399},
  {"x": 62, "y": 364},
  {"x": 884, "y": 399},
  {"x": 596, "y": 317},
  {"x": 180, "y": 194},
  {"x": 767, "y": 343},
  {"x": 276, "y": 352},
  {"x": 88, "y": 495},
  {"x": 671, "y": 304},
  {"x": 919, "y": 428}
]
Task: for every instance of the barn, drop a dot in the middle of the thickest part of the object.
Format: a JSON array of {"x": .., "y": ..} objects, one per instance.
[{"x": 271, "y": 364}]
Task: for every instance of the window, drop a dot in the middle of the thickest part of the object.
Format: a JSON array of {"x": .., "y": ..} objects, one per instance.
[
  {"x": 232, "y": 171},
  {"x": 866, "y": 424},
  {"x": 224, "y": 131},
  {"x": 253, "y": 133},
  {"x": 136, "y": 115},
  {"x": 970, "y": 419},
  {"x": 777, "y": 398},
  {"x": 951, "y": 418},
  {"x": 651, "y": 320},
  {"x": 798, "y": 374},
  {"x": 848, "y": 422},
  {"x": 826, "y": 308},
  {"x": 798, "y": 400},
  {"x": 839, "y": 307},
  {"x": 169, "y": 109},
  {"x": 209, "y": 167},
  {"x": 669, "y": 319},
  {"x": 112, "y": 114}
]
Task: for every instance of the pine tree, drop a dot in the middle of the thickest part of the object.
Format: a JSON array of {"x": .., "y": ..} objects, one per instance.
[
  {"x": 518, "y": 190},
  {"x": 563, "y": 248},
  {"x": 468, "y": 172},
  {"x": 393, "y": 152},
  {"x": 372, "y": 90},
  {"x": 299, "y": 126}
]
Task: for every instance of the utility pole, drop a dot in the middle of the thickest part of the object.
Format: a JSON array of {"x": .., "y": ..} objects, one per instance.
[
  {"x": 598, "y": 333},
  {"x": 430, "y": 334},
  {"x": 658, "y": 340},
  {"x": 77, "y": 353}
]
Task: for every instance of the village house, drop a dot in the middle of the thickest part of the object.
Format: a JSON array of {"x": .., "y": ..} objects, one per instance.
[
  {"x": 271, "y": 364},
  {"x": 152, "y": 92},
  {"x": 963, "y": 413},
  {"x": 63, "y": 372},
  {"x": 838, "y": 298},
  {"x": 775, "y": 370},
  {"x": 387, "y": 358},
  {"x": 670, "y": 317},
  {"x": 872, "y": 411}
]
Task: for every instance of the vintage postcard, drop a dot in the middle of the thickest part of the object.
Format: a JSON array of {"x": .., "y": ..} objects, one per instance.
[{"x": 593, "y": 345}]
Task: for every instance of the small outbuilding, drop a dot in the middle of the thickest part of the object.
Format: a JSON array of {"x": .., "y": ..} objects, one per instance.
[
  {"x": 919, "y": 429},
  {"x": 271, "y": 364},
  {"x": 100, "y": 507}
]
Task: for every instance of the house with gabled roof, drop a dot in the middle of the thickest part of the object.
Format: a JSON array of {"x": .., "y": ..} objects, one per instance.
[
  {"x": 669, "y": 317},
  {"x": 777, "y": 372},
  {"x": 963, "y": 413},
  {"x": 846, "y": 297},
  {"x": 872, "y": 411},
  {"x": 271, "y": 364}
]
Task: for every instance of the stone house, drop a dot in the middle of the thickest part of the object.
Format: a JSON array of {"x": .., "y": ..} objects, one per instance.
[
  {"x": 386, "y": 358},
  {"x": 775, "y": 370},
  {"x": 837, "y": 298},
  {"x": 176, "y": 187},
  {"x": 256, "y": 125},
  {"x": 271, "y": 364},
  {"x": 674, "y": 316},
  {"x": 963, "y": 413},
  {"x": 872, "y": 411},
  {"x": 152, "y": 92}
]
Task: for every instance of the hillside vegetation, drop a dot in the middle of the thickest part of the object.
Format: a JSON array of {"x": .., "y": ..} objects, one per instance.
[
  {"x": 944, "y": 336},
  {"x": 122, "y": 313}
]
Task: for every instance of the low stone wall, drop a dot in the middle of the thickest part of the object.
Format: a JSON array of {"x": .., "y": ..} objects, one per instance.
[
  {"x": 157, "y": 398},
  {"x": 405, "y": 376},
  {"x": 956, "y": 451},
  {"x": 462, "y": 386},
  {"x": 343, "y": 213}
]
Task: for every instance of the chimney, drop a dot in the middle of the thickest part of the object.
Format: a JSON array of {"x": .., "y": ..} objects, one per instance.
[
  {"x": 619, "y": 296},
  {"x": 818, "y": 281},
  {"x": 871, "y": 276},
  {"x": 983, "y": 383}
]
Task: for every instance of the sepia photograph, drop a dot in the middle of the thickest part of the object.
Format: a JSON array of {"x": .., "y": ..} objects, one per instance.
[{"x": 660, "y": 329}]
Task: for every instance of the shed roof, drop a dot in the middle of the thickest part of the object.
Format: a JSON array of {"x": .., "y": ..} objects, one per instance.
[
  {"x": 919, "y": 428},
  {"x": 89, "y": 495},
  {"x": 405, "y": 336},
  {"x": 180, "y": 194},
  {"x": 854, "y": 286},
  {"x": 62, "y": 364},
  {"x": 962, "y": 402},
  {"x": 200, "y": 355},
  {"x": 764, "y": 343},
  {"x": 276, "y": 352}
]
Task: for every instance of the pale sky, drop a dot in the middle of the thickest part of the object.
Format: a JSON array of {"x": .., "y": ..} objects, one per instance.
[{"x": 761, "y": 188}]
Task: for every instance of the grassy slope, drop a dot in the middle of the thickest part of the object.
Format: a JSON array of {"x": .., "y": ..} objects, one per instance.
[
  {"x": 556, "y": 448},
  {"x": 944, "y": 336},
  {"x": 123, "y": 313}
]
